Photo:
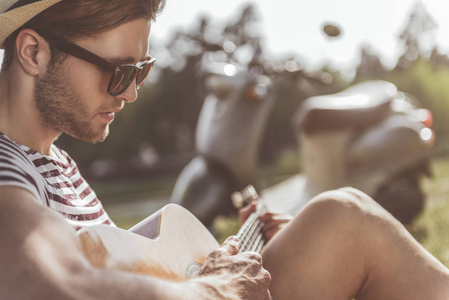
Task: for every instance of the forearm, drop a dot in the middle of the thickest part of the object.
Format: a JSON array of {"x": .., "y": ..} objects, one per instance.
[
  {"x": 41, "y": 258},
  {"x": 90, "y": 283},
  {"x": 114, "y": 284}
]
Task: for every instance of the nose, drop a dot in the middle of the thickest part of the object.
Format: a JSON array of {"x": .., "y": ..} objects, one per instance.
[{"x": 130, "y": 94}]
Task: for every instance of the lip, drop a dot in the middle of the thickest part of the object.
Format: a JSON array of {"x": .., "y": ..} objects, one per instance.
[
  {"x": 109, "y": 115},
  {"x": 115, "y": 110}
]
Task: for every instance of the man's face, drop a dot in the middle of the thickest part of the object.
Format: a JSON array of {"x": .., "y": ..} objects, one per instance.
[{"x": 72, "y": 95}]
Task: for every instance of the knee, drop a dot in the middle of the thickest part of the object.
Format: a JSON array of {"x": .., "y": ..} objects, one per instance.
[
  {"x": 347, "y": 205},
  {"x": 346, "y": 197}
]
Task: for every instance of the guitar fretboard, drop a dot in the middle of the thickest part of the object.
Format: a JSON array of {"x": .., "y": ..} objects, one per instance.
[{"x": 250, "y": 234}]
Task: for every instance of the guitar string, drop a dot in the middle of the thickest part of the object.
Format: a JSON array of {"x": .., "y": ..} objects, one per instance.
[
  {"x": 253, "y": 233},
  {"x": 250, "y": 229},
  {"x": 244, "y": 231},
  {"x": 250, "y": 233}
]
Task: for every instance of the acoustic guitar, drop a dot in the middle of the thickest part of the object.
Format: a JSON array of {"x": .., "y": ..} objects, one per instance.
[{"x": 172, "y": 244}]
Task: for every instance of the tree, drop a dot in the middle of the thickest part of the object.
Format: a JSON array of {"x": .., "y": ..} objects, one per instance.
[
  {"x": 369, "y": 66},
  {"x": 417, "y": 35}
]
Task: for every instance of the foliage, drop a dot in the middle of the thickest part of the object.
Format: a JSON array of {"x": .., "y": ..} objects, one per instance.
[
  {"x": 429, "y": 83},
  {"x": 421, "y": 71}
]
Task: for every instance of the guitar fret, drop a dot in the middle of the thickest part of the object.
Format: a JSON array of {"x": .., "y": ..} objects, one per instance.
[
  {"x": 256, "y": 229},
  {"x": 260, "y": 246},
  {"x": 257, "y": 242},
  {"x": 250, "y": 233},
  {"x": 244, "y": 230},
  {"x": 255, "y": 245}
]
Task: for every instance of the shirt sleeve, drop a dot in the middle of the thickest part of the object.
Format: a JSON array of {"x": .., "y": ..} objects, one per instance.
[{"x": 17, "y": 170}]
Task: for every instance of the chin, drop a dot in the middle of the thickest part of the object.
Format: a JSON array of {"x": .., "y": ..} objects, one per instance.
[{"x": 91, "y": 136}]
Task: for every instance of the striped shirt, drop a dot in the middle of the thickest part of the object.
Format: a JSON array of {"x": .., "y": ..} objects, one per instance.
[{"x": 55, "y": 182}]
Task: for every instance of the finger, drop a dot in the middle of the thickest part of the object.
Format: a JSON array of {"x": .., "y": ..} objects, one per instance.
[
  {"x": 269, "y": 295},
  {"x": 267, "y": 216},
  {"x": 267, "y": 276},
  {"x": 274, "y": 223},
  {"x": 270, "y": 233},
  {"x": 246, "y": 211},
  {"x": 231, "y": 245},
  {"x": 253, "y": 255}
]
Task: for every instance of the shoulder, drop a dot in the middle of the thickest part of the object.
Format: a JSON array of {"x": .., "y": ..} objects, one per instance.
[
  {"x": 16, "y": 169},
  {"x": 11, "y": 149}
]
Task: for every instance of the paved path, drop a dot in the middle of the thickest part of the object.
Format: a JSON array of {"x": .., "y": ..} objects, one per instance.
[{"x": 283, "y": 197}]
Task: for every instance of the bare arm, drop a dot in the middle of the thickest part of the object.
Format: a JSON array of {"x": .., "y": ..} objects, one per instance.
[{"x": 41, "y": 258}]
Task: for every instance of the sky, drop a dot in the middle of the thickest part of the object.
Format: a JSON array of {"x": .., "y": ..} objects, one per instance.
[{"x": 295, "y": 26}]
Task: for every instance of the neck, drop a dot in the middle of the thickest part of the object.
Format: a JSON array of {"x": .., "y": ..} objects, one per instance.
[
  {"x": 250, "y": 234},
  {"x": 19, "y": 118}
]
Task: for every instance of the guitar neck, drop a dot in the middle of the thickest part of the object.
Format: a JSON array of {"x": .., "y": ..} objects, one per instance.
[{"x": 251, "y": 234}]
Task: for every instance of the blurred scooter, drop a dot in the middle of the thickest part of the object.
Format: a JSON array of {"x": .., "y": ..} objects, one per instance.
[
  {"x": 228, "y": 135},
  {"x": 369, "y": 136}
]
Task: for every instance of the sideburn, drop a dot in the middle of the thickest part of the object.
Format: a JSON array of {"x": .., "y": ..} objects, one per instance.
[{"x": 58, "y": 106}]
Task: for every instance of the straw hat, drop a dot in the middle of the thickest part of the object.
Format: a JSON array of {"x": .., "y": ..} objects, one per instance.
[{"x": 15, "y": 13}]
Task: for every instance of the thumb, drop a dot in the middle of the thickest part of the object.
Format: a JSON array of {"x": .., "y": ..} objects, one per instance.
[{"x": 231, "y": 245}]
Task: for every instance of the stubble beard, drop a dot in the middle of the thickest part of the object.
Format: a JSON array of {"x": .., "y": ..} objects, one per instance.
[{"x": 61, "y": 109}]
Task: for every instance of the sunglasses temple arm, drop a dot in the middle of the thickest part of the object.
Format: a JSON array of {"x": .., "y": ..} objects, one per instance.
[{"x": 80, "y": 52}]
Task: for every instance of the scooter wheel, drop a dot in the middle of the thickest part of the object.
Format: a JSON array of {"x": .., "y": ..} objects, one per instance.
[{"x": 403, "y": 198}]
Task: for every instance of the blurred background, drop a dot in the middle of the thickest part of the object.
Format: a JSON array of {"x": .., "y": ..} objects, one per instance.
[
  {"x": 310, "y": 48},
  {"x": 398, "y": 41}
]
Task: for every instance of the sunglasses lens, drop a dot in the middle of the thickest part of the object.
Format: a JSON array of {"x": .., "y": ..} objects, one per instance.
[
  {"x": 146, "y": 68},
  {"x": 125, "y": 74},
  {"x": 121, "y": 79}
]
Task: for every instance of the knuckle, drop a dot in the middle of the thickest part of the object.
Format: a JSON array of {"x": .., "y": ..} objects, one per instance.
[
  {"x": 267, "y": 276},
  {"x": 230, "y": 248},
  {"x": 254, "y": 256},
  {"x": 217, "y": 253}
]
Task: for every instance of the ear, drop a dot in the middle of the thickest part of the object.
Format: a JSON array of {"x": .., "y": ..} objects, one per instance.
[{"x": 33, "y": 52}]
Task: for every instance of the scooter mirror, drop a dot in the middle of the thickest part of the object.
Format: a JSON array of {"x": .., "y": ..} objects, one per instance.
[{"x": 331, "y": 30}]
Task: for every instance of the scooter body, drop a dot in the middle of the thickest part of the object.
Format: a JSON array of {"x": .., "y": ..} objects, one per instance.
[
  {"x": 228, "y": 136},
  {"x": 368, "y": 136}
]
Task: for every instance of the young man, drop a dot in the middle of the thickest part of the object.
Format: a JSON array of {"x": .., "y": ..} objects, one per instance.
[
  {"x": 68, "y": 67},
  {"x": 49, "y": 85}
]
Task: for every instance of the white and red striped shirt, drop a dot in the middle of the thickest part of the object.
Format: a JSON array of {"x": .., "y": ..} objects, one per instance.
[{"x": 55, "y": 181}]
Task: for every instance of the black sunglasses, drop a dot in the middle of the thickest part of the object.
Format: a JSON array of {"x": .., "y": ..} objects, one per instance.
[{"x": 122, "y": 75}]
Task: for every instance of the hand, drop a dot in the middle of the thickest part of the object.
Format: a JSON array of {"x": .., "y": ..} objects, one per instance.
[
  {"x": 231, "y": 276},
  {"x": 273, "y": 222}
]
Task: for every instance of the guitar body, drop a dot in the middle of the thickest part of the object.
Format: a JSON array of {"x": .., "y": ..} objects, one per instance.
[{"x": 174, "y": 246}]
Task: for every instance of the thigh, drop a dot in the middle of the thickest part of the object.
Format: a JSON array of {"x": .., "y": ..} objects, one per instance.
[{"x": 343, "y": 246}]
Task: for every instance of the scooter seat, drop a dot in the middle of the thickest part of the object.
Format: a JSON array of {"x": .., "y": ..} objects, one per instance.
[{"x": 357, "y": 106}]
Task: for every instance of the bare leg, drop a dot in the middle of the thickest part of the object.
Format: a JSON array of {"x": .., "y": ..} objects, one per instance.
[{"x": 343, "y": 245}]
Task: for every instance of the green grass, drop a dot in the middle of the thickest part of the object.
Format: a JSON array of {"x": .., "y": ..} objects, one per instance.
[
  {"x": 122, "y": 190},
  {"x": 431, "y": 227}
]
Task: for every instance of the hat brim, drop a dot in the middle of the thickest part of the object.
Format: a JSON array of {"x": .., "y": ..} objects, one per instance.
[{"x": 14, "y": 19}]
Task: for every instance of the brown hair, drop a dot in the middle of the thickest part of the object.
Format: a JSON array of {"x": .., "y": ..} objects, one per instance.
[{"x": 72, "y": 19}]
